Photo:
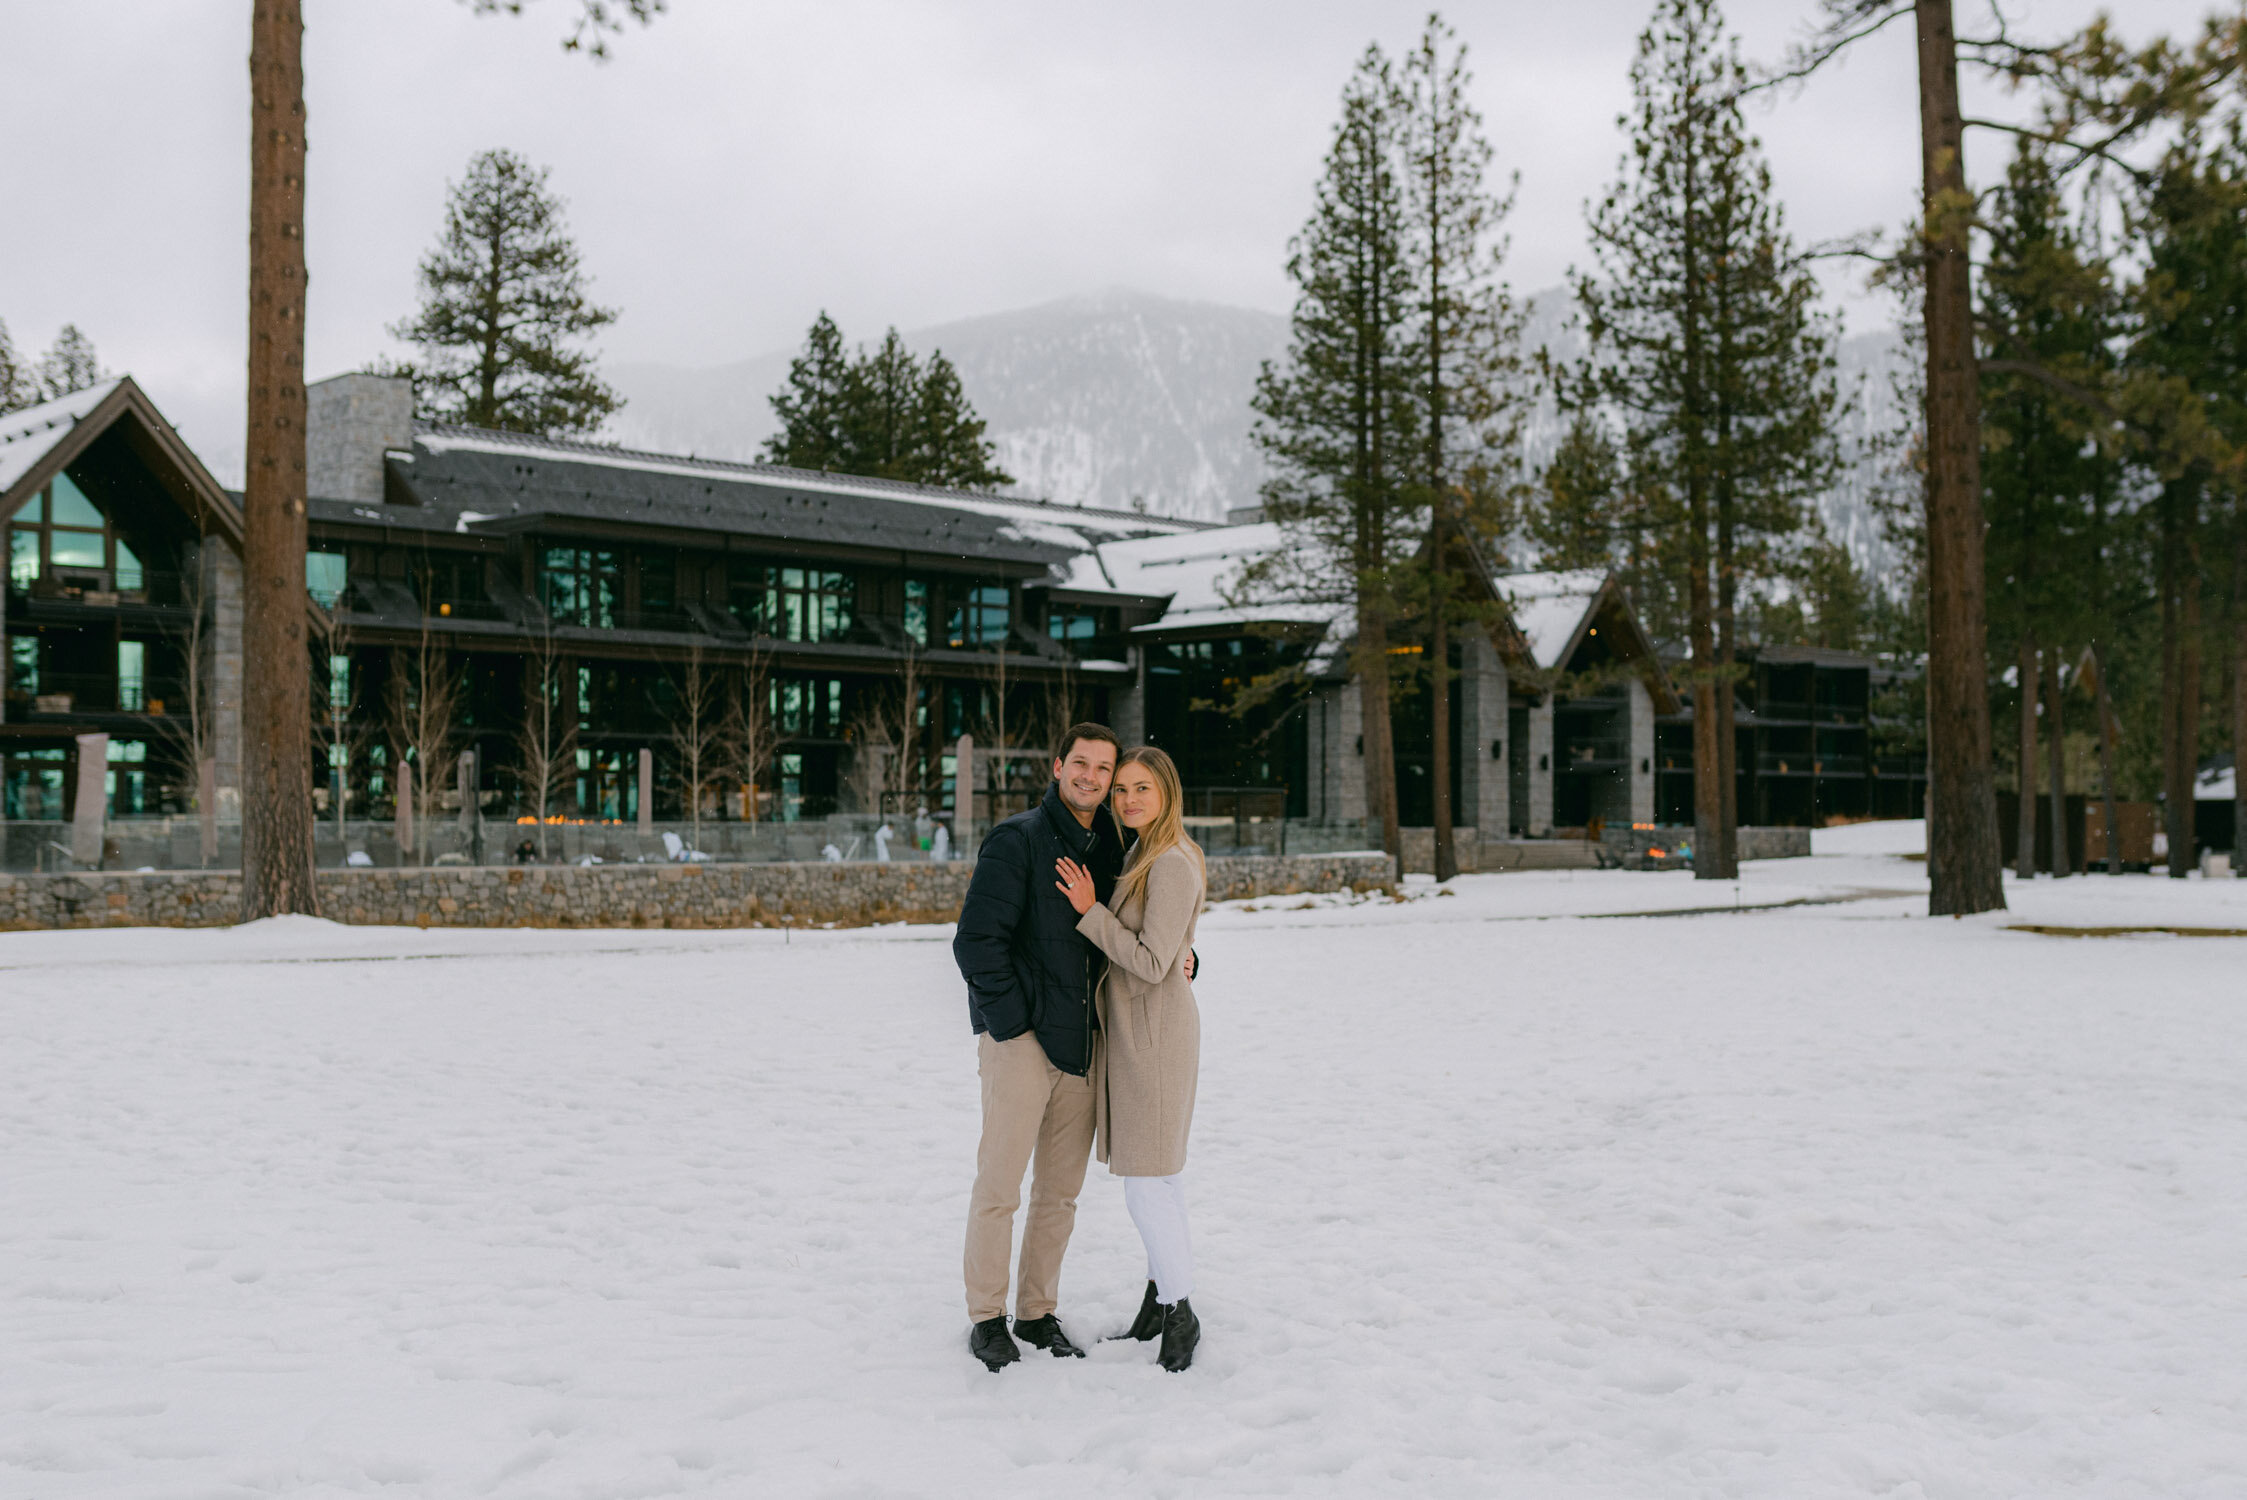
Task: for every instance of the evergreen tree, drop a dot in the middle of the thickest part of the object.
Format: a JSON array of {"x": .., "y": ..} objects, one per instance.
[
  {"x": 811, "y": 405},
  {"x": 1465, "y": 350},
  {"x": 2044, "y": 300},
  {"x": 17, "y": 379},
  {"x": 1336, "y": 417},
  {"x": 505, "y": 311},
  {"x": 1708, "y": 348},
  {"x": 2189, "y": 360},
  {"x": 70, "y": 365},
  {"x": 884, "y": 413}
]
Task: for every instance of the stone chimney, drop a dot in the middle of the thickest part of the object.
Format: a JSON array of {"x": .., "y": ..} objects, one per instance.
[{"x": 350, "y": 422}]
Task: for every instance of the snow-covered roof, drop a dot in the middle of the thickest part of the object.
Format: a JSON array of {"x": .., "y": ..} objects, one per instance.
[
  {"x": 1197, "y": 570},
  {"x": 1032, "y": 520},
  {"x": 1548, "y": 608},
  {"x": 29, "y": 435}
]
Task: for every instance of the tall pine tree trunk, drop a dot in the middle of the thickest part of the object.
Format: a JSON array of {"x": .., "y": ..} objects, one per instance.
[
  {"x": 2109, "y": 810},
  {"x": 1964, "y": 860},
  {"x": 2180, "y": 667},
  {"x": 2024, "y": 803},
  {"x": 1727, "y": 654},
  {"x": 2239, "y": 707},
  {"x": 1439, "y": 705},
  {"x": 1708, "y": 758},
  {"x": 276, "y": 708},
  {"x": 2056, "y": 753}
]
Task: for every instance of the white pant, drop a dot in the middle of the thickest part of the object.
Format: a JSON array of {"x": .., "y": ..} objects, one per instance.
[{"x": 1158, "y": 1207}]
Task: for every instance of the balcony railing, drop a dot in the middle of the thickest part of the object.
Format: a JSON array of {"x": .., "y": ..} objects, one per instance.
[{"x": 94, "y": 693}]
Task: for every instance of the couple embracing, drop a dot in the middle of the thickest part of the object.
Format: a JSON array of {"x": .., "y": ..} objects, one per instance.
[{"x": 1076, "y": 941}]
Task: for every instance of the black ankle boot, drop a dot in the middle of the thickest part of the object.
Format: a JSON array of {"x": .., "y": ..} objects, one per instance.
[
  {"x": 988, "y": 1342},
  {"x": 1045, "y": 1333},
  {"x": 1149, "y": 1323},
  {"x": 1181, "y": 1332}
]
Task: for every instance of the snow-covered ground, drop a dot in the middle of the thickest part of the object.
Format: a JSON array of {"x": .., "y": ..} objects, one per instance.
[{"x": 1495, "y": 1193}]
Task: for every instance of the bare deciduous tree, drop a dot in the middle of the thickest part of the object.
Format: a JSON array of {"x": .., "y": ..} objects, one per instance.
[
  {"x": 698, "y": 733},
  {"x": 748, "y": 738},
  {"x": 546, "y": 736},
  {"x": 423, "y": 700}
]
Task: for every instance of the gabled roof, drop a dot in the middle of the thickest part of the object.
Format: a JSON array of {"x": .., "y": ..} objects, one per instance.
[
  {"x": 1197, "y": 571},
  {"x": 471, "y": 481},
  {"x": 1552, "y": 615},
  {"x": 40, "y": 441}
]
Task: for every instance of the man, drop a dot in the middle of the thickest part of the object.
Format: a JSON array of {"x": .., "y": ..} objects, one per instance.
[{"x": 1030, "y": 980}]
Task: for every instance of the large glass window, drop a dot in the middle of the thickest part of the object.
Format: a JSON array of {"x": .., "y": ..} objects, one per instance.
[
  {"x": 808, "y": 706},
  {"x": 61, "y": 533},
  {"x": 31, "y": 784},
  {"x": 579, "y": 586},
  {"x": 793, "y": 603},
  {"x": 978, "y": 617}
]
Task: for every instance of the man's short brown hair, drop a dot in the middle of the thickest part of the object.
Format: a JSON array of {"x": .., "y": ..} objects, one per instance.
[{"x": 1087, "y": 731}]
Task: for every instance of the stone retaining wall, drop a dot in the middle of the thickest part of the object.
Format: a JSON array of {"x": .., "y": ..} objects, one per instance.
[{"x": 745, "y": 895}]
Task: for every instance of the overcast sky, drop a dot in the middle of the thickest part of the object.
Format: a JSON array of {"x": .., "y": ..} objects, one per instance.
[{"x": 740, "y": 165}]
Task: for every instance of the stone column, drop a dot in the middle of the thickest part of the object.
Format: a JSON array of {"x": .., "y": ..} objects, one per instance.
[
  {"x": 90, "y": 812},
  {"x": 963, "y": 795},
  {"x": 1541, "y": 766},
  {"x": 1642, "y": 753},
  {"x": 1482, "y": 720},
  {"x": 222, "y": 591},
  {"x": 647, "y": 793},
  {"x": 1349, "y": 753}
]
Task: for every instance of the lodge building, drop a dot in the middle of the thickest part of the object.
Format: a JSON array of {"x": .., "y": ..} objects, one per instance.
[{"x": 621, "y": 578}]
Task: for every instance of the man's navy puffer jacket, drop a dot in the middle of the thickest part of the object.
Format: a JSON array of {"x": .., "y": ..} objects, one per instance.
[{"x": 1026, "y": 966}]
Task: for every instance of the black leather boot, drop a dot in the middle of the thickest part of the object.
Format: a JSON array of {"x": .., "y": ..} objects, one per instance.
[
  {"x": 1149, "y": 1323},
  {"x": 1045, "y": 1333},
  {"x": 1181, "y": 1332},
  {"x": 988, "y": 1341}
]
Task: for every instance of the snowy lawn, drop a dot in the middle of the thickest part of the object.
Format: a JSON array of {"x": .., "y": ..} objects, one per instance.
[{"x": 1493, "y": 1195}]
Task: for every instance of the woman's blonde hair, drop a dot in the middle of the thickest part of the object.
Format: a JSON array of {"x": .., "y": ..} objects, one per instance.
[{"x": 1166, "y": 833}]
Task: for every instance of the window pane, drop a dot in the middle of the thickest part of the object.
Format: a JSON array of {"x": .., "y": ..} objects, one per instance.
[
  {"x": 23, "y": 557},
  {"x": 75, "y": 549},
  {"x": 34, "y": 510},
  {"x": 131, "y": 658},
  {"x": 916, "y": 610},
  {"x": 323, "y": 575},
  {"x": 72, "y": 508},
  {"x": 23, "y": 664},
  {"x": 129, "y": 575}
]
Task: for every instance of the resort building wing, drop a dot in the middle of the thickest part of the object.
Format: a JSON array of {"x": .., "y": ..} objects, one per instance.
[{"x": 868, "y": 625}]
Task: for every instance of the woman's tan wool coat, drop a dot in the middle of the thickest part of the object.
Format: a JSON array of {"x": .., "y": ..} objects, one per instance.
[{"x": 1147, "y": 1058}]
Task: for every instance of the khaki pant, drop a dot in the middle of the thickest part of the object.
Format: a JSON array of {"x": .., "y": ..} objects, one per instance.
[{"x": 1030, "y": 1107}]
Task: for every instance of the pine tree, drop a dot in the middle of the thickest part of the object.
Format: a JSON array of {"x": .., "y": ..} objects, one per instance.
[
  {"x": 949, "y": 436},
  {"x": 17, "y": 379},
  {"x": 811, "y": 405},
  {"x": 1335, "y": 418},
  {"x": 2046, "y": 301},
  {"x": 505, "y": 311},
  {"x": 1709, "y": 350},
  {"x": 69, "y": 366},
  {"x": 2189, "y": 357},
  {"x": 1465, "y": 352},
  {"x": 884, "y": 414}
]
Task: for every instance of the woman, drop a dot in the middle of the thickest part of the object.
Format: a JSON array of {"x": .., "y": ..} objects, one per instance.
[{"x": 1147, "y": 1055}]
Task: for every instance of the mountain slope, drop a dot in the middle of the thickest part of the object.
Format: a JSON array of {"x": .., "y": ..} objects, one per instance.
[
  {"x": 1122, "y": 397},
  {"x": 1105, "y": 399}
]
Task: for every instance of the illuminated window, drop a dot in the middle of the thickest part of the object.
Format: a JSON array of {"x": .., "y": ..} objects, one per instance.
[
  {"x": 324, "y": 577},
  {"x": 792, "y": 603},
  {"x": 978, "y": 617}
]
